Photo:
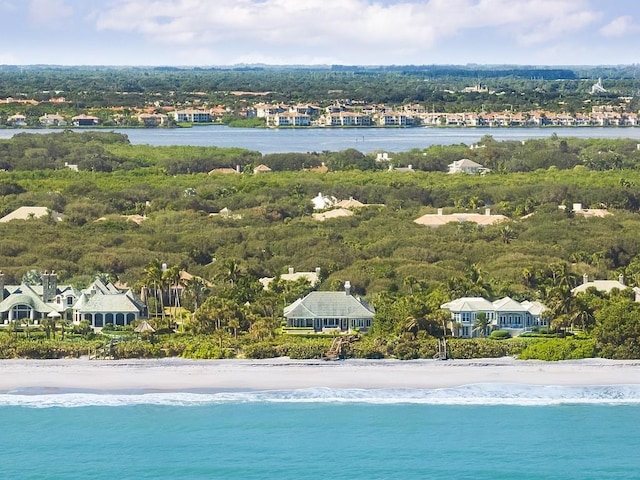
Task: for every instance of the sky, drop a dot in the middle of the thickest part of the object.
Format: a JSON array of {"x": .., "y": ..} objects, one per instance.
[{"x": 317, "y": 32}]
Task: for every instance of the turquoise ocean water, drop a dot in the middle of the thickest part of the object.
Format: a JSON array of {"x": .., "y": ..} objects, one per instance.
[{"x": 471, "y": 432}]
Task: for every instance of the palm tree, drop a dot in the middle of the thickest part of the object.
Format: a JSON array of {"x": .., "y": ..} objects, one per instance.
[
  {"x": 560, "y": 275},
  {"x": 232, "y": 271},
  {"x": 14, "y": 327},
  {"x": 481, "y": 324},
  {"x": 62, "y": 323},
  {"x": 153, "y": 279},
  {"x": 215, "y": 314},
  {"x": 234, "y": 325},
  {"x": 196, "y": 289},
  {"x": 528, "y": 276},
  {"x": 582, "y": 313},
  {"x": 32, "y": 277},
  {"x": 262, "y": 329},
  {"x": 46, "y": 325},
  {"x": 413, "y": 324},
  {"x": 27, "y": 328},
  {"x": 171, "y": 279},
  {"x": 410, "y": 282},
  {"x": 507, "y": 234}
]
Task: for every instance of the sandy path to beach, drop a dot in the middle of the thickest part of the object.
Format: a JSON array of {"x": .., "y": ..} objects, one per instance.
[{"x": 278, "y": 374}]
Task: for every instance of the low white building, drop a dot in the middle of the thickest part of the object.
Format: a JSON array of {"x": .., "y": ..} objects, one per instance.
[
  {"x": 605, "y": 286},
  {"x": 292, "y": 276},
  {"x": 322, "y": 202},
  {"x": 440, "y": 218},
  {"x": 467, "y": 166}
]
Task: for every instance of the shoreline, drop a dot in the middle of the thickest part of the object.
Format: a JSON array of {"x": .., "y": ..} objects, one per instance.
[{"x": 181, "y": 375}]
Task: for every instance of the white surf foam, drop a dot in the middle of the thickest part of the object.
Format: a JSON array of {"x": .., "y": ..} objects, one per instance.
[{"x": 477, "y": 394}]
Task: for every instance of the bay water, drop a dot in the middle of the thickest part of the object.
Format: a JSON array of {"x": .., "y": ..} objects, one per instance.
[
  {"x": 483, "y": 431},
  {"x": 366, "y": 140}
]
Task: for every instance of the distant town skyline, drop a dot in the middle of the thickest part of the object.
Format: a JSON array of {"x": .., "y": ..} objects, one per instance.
[{"x": 316, "y": 32}]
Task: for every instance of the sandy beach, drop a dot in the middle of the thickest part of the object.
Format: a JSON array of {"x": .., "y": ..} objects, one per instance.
[{"x": 279, "y": 374}]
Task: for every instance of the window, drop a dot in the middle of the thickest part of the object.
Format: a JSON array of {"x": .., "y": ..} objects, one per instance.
[
  {"x": 21, "y": 311},
  {"x": 330, "y": 322},
  {"x": 361, "y": 322}
]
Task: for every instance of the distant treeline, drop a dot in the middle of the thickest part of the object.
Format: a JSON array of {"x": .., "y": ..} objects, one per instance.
[
  {"x": 475, "y": 72},
  {"x": 439, "y": 86}
]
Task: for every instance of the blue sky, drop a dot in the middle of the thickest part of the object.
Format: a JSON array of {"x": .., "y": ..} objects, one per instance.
[{"x": 362, "y": 32}]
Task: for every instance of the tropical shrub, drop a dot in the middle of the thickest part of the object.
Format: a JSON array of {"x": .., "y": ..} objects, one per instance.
[
  {"x": 499, "y": 335},
  {"x": 136, "y": 349},
  {"x": 559, "y": 349},
  {"x": 260, "y": 350}
]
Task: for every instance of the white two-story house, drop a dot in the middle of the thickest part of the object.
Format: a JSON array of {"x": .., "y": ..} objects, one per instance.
[{"x": 504, "y": 314}]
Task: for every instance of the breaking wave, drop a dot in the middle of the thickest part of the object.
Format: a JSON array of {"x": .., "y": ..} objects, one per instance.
[{"x": 475, "y": 394}]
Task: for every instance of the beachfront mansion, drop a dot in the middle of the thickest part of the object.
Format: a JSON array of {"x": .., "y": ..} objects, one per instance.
[
  {"x": 99, "y": 304},
  {"x": 504, "y": 314}
]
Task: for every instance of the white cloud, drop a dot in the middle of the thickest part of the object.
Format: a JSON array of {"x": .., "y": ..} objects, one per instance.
[
  {"x": 619, "y": 27},
  {"x": 347, "y": 31},
  {"x": 49, "y": 12}
]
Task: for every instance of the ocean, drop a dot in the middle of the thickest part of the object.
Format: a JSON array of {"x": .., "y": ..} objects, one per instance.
[{"x": 484, "y": 431}]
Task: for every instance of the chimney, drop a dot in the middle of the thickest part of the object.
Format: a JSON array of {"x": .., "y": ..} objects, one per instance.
[
  {"x": 440, "y": 211},
  {"x": 585, "y": 278},
  {"x": 487, "y": 212},
  {"x": 347, "y": 287},
  {"x": 49, "y": 286},
  {"x": 317, "y": 270},
  {"x": 621, "y": 278},
  {"x": 410, "y": 167},
  {"x": 291, "y": 270}
]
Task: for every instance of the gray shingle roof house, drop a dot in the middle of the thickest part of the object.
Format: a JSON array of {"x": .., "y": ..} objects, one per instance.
[
  {"x": 35, "y": 302},
  {"x": 100, "y": 303},
  {"x": 330, "y": 311},
  {"x": 103, "y": 303}
]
